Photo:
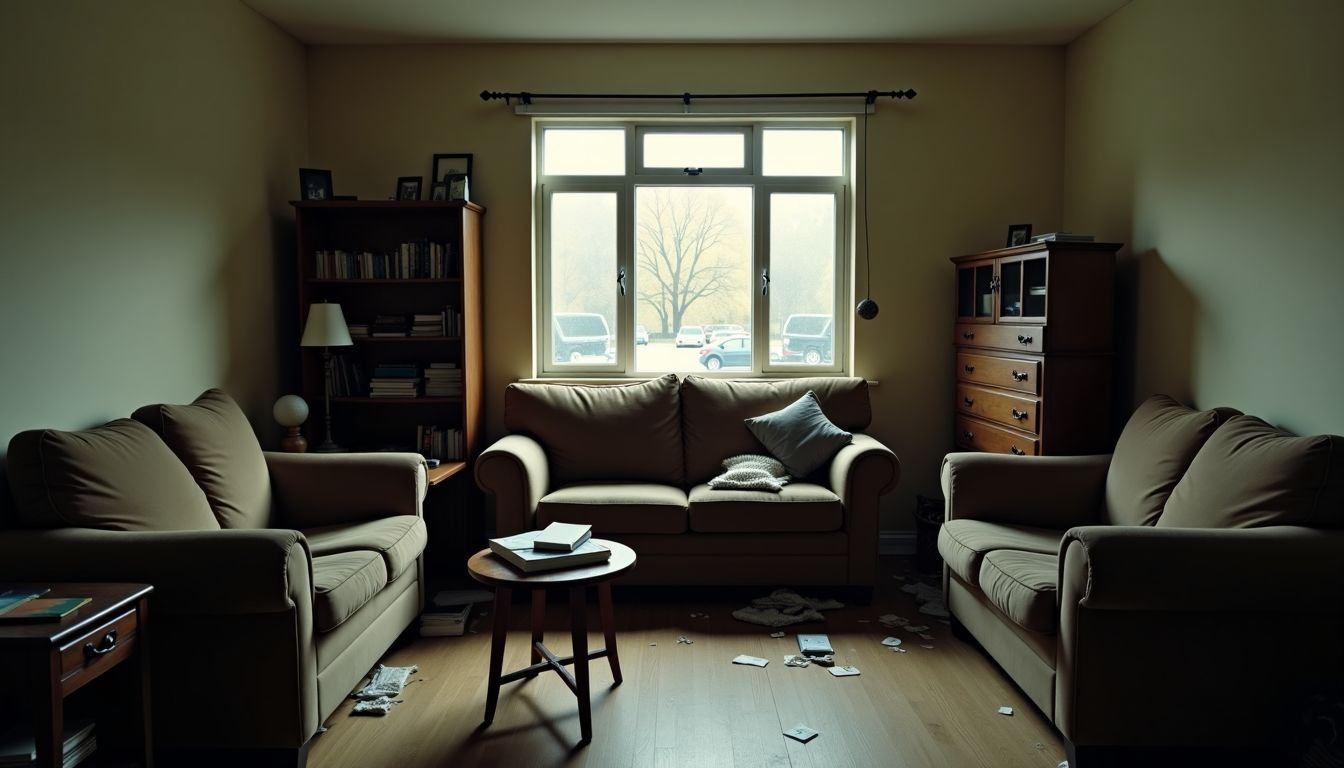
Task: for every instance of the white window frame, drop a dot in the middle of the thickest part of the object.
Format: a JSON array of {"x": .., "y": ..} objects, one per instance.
[{"x": 636, "y": 175}]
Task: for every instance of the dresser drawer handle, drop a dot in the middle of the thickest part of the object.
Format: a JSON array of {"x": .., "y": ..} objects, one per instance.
[
  {"x": 968, "y": 435},
  {"x": 1017, "y": 451},
  {"x": 1023, "y": 339},
  {"x": 967, "y": 335},
  {"x": 968, "y": 401},
  {"x": 1019, "y": 375},
  {"x": 969, "y": 368},
  {"x": 105, "y": 646},
  {"x": 1020, "y": 415}
]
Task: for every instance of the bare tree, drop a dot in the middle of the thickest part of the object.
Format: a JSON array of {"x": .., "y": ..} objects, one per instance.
[{"x": 679, "y": 230}]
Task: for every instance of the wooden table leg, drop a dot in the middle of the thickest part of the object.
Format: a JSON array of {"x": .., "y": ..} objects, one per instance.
[
  {"x": 503, "y": 601},
  {"x": 49, "y": 725},
  {"x": 142, "y": 658},
  {"x": 609, "y": 629},
  {"x": 538, "y": 621},
  {"x": 578, "y": 628}
]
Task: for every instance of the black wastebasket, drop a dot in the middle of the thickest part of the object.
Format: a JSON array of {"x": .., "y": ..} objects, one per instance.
[{"x": 928, "y": 519}]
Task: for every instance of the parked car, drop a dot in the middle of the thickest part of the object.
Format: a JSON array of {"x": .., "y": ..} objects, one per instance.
[
  {"x": 807, "y": 339},
  {"x": 691, "y": 336},
  {"x": 729, "y": 352},
  {"x": 576, "y": 335},
  {"x": 722, "y": 331},
  {"x": 641, "y": 335}
]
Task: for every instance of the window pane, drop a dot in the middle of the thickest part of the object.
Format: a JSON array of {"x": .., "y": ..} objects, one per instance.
[
  {"x": 694, "y": 150},
  {"x": 693, "y": 277},
  {"x": 590, "y": 152},
  {"x": 803, "y": 153},
  {"x": 583, "y": 278},
  {"x": 802, "y": 278}
]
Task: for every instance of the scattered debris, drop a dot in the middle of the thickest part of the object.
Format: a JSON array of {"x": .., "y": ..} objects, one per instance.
[
  {"x": 684, "y": 641},
  {"x": 385, "y": 682},
  {"x": 930, "y": 599},
  {"x": 925, "y": 645},
  {"x": 925, "y": 636},
  {"x": 379, "y": 706},
  {"x": 891, "y": 642},
  {"x": 844, "y": 671},
  {"x": 755, "y": 661},
  {"x": 796, "y": 660},
  {"x": 917, "y": 627},
  {"x": 823, "y": 661},
  {"x": 784, "y": 607},
  {"x": 892, "y": 620},
  {"x": 1006, "y": 711},
  {"x": 898, "y": 649},
  {"x": 699, "y": 615},
  {"x": 801, "y": 733},
  {"x": 776, "y": 635}
]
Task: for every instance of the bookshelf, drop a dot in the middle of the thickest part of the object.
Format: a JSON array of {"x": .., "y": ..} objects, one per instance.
[{"x": 407, "y": 275}]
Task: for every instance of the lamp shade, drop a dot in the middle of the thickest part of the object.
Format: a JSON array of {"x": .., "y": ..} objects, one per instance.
[{"x": 326, "y": 327}]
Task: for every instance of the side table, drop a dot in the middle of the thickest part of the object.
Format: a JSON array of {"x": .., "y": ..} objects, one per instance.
[
  {"x": 487, "y": 568},
  {"x": 66, "y": 655}
]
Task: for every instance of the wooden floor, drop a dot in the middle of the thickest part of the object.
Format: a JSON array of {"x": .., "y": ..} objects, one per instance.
[{"x": 688, "y": 705}]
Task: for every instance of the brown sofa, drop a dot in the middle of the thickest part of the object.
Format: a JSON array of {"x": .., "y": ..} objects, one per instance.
[
  {"x": 280, "y": 579},
  {"x": 634, "y": 461},
  {"x": 1179, "y": 596}
]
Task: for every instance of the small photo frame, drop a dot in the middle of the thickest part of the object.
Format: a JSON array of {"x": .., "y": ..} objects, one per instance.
[
  {"x": 450, "y": 164},
  {"x": 315, "y": 184},
  {"x": 1018, "y": 234},
  {"x": 408, "y": 187},
  {"x": 438, "y": 190},
  {"x": 459, "y": 187}
]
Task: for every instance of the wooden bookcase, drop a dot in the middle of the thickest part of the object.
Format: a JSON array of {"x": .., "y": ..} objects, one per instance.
[{"x": 380, "y": 228}]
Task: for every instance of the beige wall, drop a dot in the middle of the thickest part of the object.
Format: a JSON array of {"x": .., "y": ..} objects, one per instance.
[
  {"x": 148, "y": 150},
  {"x": 1209, "y": 136},
  {"x": 977, "y": 150}
]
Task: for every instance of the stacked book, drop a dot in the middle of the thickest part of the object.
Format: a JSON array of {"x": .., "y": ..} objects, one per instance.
[
  {"x": 559, "y": 545},
  {"x": 395, "y": 380},
  {"x": 427, "y": 325},
  {"x": 443, "y": 380},
  {"x": 388, "y": 326},
  {"x": 452, "y": 322},
  {"x": 442, "y": 443},
  {"x": 1061, "y": 237},
  {"x": 358, "y": 330},
  {"x": 17, "y": 747}
]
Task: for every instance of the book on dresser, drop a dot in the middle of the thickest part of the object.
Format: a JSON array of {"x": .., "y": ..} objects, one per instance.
[
  {"x": 562, "y": 537},
  {"x": 520, "y": 552},
  {"x": 44, "y": 609}
]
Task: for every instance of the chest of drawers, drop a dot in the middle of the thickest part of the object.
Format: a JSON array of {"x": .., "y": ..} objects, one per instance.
[{"x": 1033, "y": 335}]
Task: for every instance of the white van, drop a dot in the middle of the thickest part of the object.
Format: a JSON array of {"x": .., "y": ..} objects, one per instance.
[{"x": 576, "y": 335}]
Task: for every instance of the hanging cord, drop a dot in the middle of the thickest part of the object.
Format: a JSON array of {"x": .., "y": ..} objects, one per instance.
[{"x": 867, "y": 308}]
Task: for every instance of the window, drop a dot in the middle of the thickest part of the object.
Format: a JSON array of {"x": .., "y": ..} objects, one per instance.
[{"x": 692, "y": 247}]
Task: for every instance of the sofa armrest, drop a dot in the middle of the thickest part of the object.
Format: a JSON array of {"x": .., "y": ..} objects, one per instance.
[
  {"x": 314, "y": 489},
  {"x": 1040, "y": 491},
  {"x": 219, "y": 572},
  {"x": 516, "y": 472},
  {"x": 860, "y": 474},
  {"x": 1202, "y": 570}
]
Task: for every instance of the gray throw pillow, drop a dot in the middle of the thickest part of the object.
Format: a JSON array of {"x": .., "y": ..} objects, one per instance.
[{"x": 799, "y": 435}]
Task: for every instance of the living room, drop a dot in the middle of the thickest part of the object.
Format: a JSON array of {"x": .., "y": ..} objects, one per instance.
[{"x": 1204, "y": 136}]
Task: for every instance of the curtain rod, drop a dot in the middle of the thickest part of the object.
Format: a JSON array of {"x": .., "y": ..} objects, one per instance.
[{"x": 526, "y": 97}]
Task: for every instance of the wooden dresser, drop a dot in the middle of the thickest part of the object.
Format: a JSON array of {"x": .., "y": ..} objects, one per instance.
[{"x": 1033, "y": 338}]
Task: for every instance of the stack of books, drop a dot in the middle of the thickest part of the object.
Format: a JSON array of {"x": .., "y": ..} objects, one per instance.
[
  {"x": 395, "y": 380},
  {"x": 427, "y": 325},
  {"x": 1061, "y": 237},
  {"x": 358, "y": 330},
  {"x": 559, "y": 545},
  {"x": 17, "y": 747},
  {"x": 388, "y": 326},
  {"x": 443, "y": 380}
]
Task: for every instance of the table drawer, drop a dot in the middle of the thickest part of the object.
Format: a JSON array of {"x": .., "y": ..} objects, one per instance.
[
  {"x": 85, "y": 658},
  {"x": 1017, "y": 412},
  {"x": 1022, "y": 338},
  {"x": 1009, "y": 373},
  {"x": 977, "y": 435}
]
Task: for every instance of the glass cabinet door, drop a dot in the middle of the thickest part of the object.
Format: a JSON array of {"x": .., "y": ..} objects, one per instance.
[
  {"x": 975, "y": 291},
  {"x": 1010, "y": 290},
  {"x": 1022, "y": 287}
]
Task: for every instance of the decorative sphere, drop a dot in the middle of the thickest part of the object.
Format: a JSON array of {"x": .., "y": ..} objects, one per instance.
[
  {"x": 867, "y": 309},
  {"x": 290, "y": 410}
]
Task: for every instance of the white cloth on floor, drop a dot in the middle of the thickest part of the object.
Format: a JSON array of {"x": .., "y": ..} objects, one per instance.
[
  {"x": 750, "y": 472},
  {"x": 784, "y": 607}
]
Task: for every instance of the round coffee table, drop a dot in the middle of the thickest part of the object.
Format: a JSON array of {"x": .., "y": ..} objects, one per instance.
[{"x": 489, "y": 569}]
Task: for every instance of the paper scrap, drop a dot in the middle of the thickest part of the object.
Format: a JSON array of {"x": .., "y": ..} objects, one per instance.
[
  {"x": 844, "y": 671},
  {"x": 776, "y": 635},
  {"x": 925, "y": 636},
  {"x": 801, "y": 733},
  {"x": 891, "y": 642},
  {"x": 823, "y": 661},
  {"x": 796, "y": 660},
  {"x": 898, "y": 650},
  {"x": 917, "y": 627},
  {"x": 1006, "y": 711},
  {"x": 683, "y": 641},
  {"x": 755, "y": 661},
  {"x": 924, "y": 645}
]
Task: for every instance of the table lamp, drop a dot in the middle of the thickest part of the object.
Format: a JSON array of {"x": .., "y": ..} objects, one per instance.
[
  {"x": 290, "y": 411},
  {"x": 326, "y": 328}
]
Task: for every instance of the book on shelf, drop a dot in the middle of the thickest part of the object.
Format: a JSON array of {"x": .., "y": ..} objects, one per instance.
[
  {"x": 1061, "y": 237},
  {"x": 519, "y": 552},
  {"x": 44, "y": 609},
  {"x": 17, "y": 747},
  {"x": 437, "y": 442},
  {"x": 12, "y": 598},
  {"x": 413, "y": 260},
  {"x": 562, "y": 537}
]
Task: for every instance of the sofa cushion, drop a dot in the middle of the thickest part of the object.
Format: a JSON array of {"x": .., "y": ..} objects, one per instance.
[
  {"x": 1250, "y": 474},
  {"x": 214, "y": 439},
  {"x": 399, "y": 539},
  {"x": 616, "y": 508},
  {"x": 797, "y": 508},
  {"x": 343, "y": 583},
  {"x": 963, "y": 543},
  {"x": 117, "y": 477},
  {"x": 602, "y": 433},
  {"x": 713, "y": 414},
  {"x": 799, "y": 435},
  {"x": 1157, "y": 445},
  {"x": 1023, "y": 586}
]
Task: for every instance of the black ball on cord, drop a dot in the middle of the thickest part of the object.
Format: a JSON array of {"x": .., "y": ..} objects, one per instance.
[{"x": 867, "y": 309}]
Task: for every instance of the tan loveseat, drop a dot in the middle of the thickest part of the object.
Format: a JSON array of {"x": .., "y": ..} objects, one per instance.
[
  {"x": 279, "y": 579},
  {"x": 634, "y": 461},
  {"x": 1183, "y": 596}
]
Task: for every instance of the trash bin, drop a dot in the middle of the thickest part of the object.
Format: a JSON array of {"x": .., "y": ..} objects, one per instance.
[{"x": 928, "y": 519}]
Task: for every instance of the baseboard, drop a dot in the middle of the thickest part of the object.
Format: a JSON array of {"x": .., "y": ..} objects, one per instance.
[{"x": 896, "y": 543}]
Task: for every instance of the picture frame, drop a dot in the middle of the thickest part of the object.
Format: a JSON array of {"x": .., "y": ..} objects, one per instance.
[
  {"x": 438, "y": 190},
  {"x": 459, "y": 187},
  {"x": 446, "y": 165},
  {"x": 315, "y": 184},
  {"x": 408, "y": 187},
  {"x": 1018, "y": 234}
]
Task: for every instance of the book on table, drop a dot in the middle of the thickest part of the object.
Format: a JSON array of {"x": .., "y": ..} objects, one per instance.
[
  {"x": 44, "y": 609},
  {"x": 518, "y": 551},
  {"x": 563, "y": 537},
  {"x": 12, "y": 598}
]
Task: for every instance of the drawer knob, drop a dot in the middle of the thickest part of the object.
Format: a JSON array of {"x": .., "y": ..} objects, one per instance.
[
  {"x": 968, "y": 334},
  {"x": 969, "y": 368},
  {"x": 1019, "y": 375},
  {"x": 1020, "y": 415},
  {"x": 968, "y": 401},
  {"x": 104, "y": 646},
  {"x": 1023, "y": 339},
  {"x": 968, "y": 435},
  {"x": 1017, "y": 451}
]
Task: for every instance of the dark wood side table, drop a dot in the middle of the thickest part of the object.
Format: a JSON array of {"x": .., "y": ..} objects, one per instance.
[
  {"x": 112, "y": 628},
  {"x": 489, "y": 569}
]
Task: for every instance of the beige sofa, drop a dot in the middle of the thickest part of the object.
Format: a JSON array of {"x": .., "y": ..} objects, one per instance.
[
  {"x": 1182, "y": 596},
  {"x": 634, "y": 461},
  {"x": 280, "y": 579}
]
